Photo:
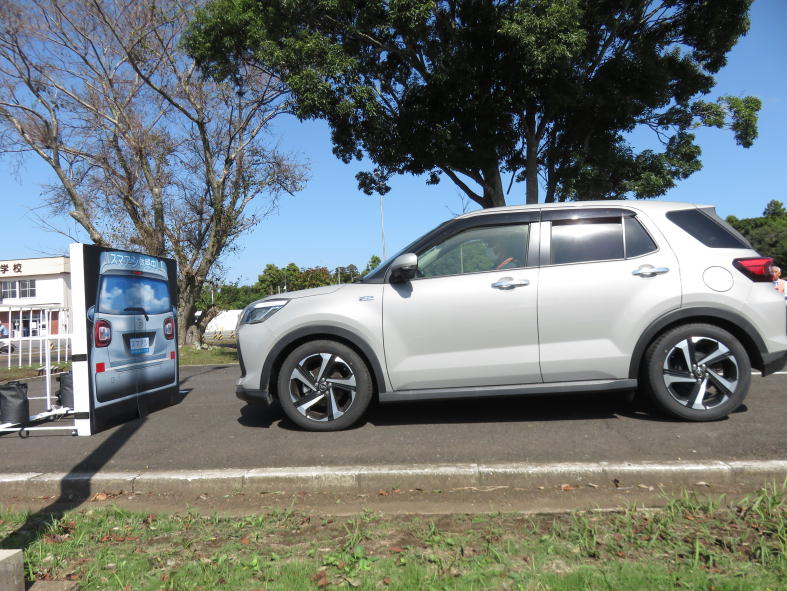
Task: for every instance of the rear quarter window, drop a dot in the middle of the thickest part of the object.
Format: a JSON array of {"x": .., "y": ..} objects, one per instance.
[{"x": 707, "y": 227}]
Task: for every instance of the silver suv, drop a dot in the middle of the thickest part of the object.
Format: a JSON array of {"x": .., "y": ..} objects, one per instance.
[{"x": 582, "y": 297}]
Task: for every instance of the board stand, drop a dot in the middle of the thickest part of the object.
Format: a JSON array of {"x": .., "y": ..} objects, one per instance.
[{"x": 50, "y": 413}]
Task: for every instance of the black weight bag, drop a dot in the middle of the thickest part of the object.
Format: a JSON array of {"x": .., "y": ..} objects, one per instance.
[
  {"x": 65, "y": 393},
  {"x": 14, "y": 405}
]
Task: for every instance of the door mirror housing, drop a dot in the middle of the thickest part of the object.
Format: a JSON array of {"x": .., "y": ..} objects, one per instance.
[
  {"x": 404, "y": 267},
  {"x": 91, "y": 313}
]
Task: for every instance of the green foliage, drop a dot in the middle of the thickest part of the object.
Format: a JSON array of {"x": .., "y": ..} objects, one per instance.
[
  {"x": 477, "y": 90},
  {"x": 275, "y": 280},
  {"x": 767, "y": 234}
]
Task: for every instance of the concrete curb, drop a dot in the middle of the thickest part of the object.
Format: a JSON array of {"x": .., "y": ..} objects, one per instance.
[{"x": 426, "y": 477}]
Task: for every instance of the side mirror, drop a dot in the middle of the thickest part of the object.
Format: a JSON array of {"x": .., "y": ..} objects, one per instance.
[
  {"x": 91, "y": 313},
  {"x": 404, "y": 267}
]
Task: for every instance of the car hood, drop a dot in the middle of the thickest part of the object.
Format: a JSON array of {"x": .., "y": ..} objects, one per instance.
[{"x": 305, "y": 293}]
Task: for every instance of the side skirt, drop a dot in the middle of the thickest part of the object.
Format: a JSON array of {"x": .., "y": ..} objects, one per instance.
[{"x": 514, "y": 390}]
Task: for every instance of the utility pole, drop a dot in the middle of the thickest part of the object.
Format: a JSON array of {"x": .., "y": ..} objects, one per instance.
[{"x": 382, "y": 226}]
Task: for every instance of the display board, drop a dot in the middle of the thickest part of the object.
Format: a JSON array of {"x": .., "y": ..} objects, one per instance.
[{"x": 125, "y": 354}]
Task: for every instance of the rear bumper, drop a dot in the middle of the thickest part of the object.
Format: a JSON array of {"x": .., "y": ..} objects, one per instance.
[
  {"x": 773, "y": 362},
  {"x": 254, "y": 396}
]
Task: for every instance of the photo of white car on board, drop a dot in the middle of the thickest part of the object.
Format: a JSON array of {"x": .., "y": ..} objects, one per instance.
[{"x": 133, "y": 346}]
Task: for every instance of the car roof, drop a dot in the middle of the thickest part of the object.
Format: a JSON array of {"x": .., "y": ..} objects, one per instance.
[{"x": 652, "y": 206}]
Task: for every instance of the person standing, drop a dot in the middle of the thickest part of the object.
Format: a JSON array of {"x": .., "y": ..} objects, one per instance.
[{"x": 778, "y": 282}]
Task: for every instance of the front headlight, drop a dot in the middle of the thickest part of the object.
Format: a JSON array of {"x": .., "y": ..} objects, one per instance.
[{"x": 259, "y": 311}]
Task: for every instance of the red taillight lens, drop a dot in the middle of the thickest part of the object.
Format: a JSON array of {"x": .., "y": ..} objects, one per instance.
[
  {"x": 102, "y": 333},
  {"x": 169, "y": 328},
  {"x": 756, "y": 269}
]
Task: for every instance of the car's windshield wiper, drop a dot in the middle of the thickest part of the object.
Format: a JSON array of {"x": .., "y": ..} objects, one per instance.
[{"x": 137, "y": 309}]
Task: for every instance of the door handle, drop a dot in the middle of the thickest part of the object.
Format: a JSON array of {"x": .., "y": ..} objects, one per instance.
[
  {"x": 649, "y": 271},
  {"x": 507, "y": 283}
]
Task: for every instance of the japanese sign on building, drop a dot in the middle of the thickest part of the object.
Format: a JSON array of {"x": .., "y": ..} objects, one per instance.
[{"x": 17, "y": 268}]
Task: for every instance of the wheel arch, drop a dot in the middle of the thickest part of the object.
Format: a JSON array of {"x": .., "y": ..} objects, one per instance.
[
  {"x": 733, "y": 323},
  {"x": 285, "y": 345}
]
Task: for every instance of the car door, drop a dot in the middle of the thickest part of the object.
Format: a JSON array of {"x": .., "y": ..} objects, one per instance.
[
  {"x": 606, "y": 274},
  {"x": 469, "y": 317}
]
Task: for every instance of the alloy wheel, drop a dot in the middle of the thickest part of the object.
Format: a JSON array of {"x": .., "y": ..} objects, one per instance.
[
  {"x": 322, "y": 387},
  {"x": 700, "y": 373}
]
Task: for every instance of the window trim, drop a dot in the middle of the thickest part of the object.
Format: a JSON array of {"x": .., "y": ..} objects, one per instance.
[{"x": 571, "y": 213}]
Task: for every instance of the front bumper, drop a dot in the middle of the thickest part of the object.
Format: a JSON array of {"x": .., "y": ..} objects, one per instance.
[{"x": 253, "y": 396}]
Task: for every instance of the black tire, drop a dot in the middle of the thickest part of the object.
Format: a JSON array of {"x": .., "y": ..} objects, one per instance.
[
  {"x": 332, "y": 389},
  {"x": 711, "y": 387}
]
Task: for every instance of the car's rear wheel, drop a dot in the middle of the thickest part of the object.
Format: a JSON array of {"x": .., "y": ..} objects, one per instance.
[
  {"x": 324, "y": 386},
  {"x": 698, "y": 372}
]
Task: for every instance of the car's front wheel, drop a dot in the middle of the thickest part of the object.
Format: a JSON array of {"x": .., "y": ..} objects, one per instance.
[
  {"x": 324, "y": 386},
  {"x": 698, "y": 372}
]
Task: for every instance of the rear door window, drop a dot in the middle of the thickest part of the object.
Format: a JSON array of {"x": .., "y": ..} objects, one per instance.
[{"x": 594, "y": 239}]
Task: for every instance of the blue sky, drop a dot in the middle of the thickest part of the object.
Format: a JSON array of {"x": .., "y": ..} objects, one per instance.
[{"x": 331, "y": 223}]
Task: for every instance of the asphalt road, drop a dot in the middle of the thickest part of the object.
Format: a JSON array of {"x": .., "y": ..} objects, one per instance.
[{"x": 212, "y": 429}]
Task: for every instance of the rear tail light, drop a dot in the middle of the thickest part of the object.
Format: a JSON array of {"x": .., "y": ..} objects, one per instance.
[
  {"x": 102, "y": 333},
  {"x": 169, "y": 328},
  {"x": 756, "y": 269}
]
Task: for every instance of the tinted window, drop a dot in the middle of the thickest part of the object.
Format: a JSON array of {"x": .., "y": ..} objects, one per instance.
[
  {"x": 575, "y": 241},
  {"x": 120, "y": 293},
  {"x": 476, "y": 250},
  {"x": 638, "y": 241},
  {"x": 707, "y": 228}
]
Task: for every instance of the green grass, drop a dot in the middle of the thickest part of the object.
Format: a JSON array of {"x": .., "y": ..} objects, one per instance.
[
  {"x": 690, "y": 544},
  {"x": 213, "y": 355},
  {"x": 188, "y": 356},
  {"x": 26, "y": 371}
]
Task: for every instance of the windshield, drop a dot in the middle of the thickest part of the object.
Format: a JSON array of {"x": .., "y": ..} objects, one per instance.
[{"x": 131, "y": 294}]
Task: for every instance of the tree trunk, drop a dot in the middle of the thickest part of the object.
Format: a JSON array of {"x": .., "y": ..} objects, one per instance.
[
  {"x": 187, "y": 306},
  {"x": 531, "y": 172},
  {"x": 493, "y": 187}
]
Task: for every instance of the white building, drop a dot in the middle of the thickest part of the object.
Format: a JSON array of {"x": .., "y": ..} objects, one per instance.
[{"x": 35, "y": 296}]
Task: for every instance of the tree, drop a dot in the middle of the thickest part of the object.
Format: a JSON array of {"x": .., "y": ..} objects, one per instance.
[
  {"x": 767, "y": 234},
  {"x": 147, "y": 154},
  {"x": 373, "y": 263},
  {"x": 543, "y": 91},
  {"x": 774, "y": 209}
]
